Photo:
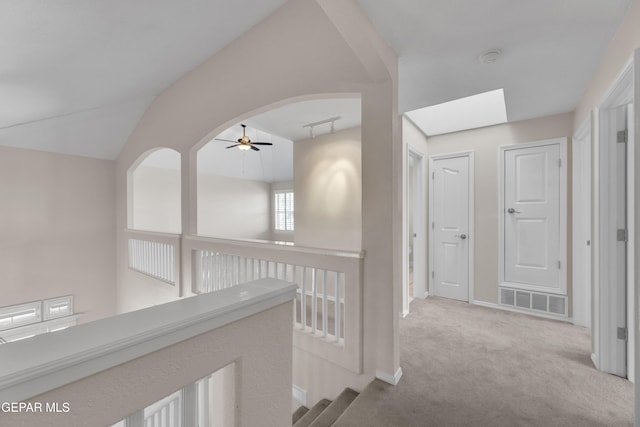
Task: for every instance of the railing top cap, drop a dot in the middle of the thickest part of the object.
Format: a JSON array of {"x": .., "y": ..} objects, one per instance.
[{"x": 130, "y": 335}]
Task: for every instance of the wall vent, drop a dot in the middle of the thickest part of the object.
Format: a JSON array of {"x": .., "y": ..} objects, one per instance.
[{"x": 534, "y": 302}]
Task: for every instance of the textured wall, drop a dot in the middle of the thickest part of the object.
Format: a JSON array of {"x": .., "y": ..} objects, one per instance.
[{"x": 57, "y": 230}]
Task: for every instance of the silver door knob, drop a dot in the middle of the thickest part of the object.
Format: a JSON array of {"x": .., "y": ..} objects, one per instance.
[
  {"x": 462, "y": 236},
  {"x": 512, "y": 211}
]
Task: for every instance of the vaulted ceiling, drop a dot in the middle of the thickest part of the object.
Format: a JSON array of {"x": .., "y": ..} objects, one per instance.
[{"x": 76, "y": 76}]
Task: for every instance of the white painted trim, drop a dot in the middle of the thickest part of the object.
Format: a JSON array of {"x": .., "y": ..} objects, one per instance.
[
  {"x": 299, "y": 395},
  {"x": 42, "y": 363},
  {"x": 515, "y": 310},
  {"x": 581, "y": 292},
  {"x": 621, "y": 92},
  {"x": 562, "y": 143},
  {"x": 471, "y": 234},
  {"x": 388, "y": 378},
  {"x": 277, "y": 246},
  {"x": 420, "y": 275}
]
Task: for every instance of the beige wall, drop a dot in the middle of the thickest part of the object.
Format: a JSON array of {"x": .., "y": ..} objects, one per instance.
[
  {"x": 485, "y": 143},
  {"x": 57, "y": 226},
  {"x": 233, "y": 208},
  {"x": 626, "y": 40},
  {"x": 349, "y": 57},
  {"x": 328, "y": 191},
  {"x": 156, "y": 199},
  {"x": 259, "y": 346}
]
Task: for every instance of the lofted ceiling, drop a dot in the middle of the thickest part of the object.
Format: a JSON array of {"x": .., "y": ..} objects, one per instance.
[{"x": 77, "y": 75}]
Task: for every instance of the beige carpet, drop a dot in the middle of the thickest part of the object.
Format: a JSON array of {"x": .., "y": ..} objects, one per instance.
[{"x": 467, "y": 365}]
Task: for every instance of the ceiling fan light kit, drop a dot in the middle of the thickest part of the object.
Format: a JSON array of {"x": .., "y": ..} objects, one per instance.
[{"x": 245, "y": 142}]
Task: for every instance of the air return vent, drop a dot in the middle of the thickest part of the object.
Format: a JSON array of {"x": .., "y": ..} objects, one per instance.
[{"x": 534, "y": 302}]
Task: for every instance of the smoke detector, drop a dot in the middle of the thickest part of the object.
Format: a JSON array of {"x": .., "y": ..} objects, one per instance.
[{"x": 490, "y": 56}]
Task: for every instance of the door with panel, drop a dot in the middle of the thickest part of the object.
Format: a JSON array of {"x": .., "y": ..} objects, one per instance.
[{"x": 450, "y": 213}]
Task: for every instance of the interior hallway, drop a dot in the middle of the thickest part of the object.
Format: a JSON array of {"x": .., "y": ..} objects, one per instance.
[{"x": 466, "y": 365}]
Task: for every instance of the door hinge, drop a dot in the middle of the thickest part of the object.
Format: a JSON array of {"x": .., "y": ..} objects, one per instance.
[
  {"x": 559, "y": 163},
  {"x": 623, "y": 334},
  {"x": 433, "y": 175},
  {"x": 622, "y": 235},
  {"x": 622, "y": 136},
  {"x": 559, "y": 264},
  {"x": 433, "y": 225},
  {"x": 433, "y": 274}
]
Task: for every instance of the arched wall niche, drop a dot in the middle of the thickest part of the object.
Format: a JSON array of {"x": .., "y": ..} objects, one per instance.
[{"x": 154, "y": 191}]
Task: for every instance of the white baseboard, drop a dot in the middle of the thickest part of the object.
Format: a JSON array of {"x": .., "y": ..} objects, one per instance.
[
  {"x": 299, "y": 395},
  {"x": 404, "y": 314},
  {"x": 594, "y": 359},
  {"x": 390, "y": 379},
  {"x": 513, "y": 310}
]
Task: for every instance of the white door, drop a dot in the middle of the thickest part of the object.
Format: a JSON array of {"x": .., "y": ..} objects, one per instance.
[
  {"x": 532, "y": 238},
  {"x": 450, "y": 226},
  {"x": 582, "y": 176}
]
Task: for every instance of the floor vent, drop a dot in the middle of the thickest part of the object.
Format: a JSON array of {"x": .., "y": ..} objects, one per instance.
[{"x": 555, "y": 305}]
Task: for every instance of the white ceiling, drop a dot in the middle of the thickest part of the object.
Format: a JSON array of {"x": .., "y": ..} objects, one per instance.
[
  {"x": 76, "y": 76},
  {"x": 550, "y": 49}
]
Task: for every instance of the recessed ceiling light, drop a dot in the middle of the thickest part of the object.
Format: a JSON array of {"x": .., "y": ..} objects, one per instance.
[{"x": 490, "y": 56}]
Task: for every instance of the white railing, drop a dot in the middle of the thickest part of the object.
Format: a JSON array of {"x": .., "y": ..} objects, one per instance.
[
  {"x": 156, "y": 255},
  {"x": 320, "y": 311},
  {"x": 328, "y": 306},
  {"x": 103, "y": 371}
]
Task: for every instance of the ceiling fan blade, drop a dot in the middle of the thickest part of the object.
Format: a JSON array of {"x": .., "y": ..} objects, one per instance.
[
  {"x": 261, "y": 143},
  {"x": 255, "y": 148},
  {"x": 235, "y": 145},
  {"x": 225, "y": 140}
]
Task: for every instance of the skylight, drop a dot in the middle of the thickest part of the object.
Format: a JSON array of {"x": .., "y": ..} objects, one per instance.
[{"x": 483, "y": 109}]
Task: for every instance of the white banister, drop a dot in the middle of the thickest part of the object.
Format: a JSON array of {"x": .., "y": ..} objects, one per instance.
[
  {"x": 328, "y": 310},
  {"x": 156, "y": 255}
]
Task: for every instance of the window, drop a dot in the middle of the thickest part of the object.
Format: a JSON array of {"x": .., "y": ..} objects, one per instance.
[
  {"x": 21, "y": 321},
  {"x": 283, "y": 210}
]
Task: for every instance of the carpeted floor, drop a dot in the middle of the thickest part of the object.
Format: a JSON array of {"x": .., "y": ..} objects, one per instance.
[{"x": 466, "y": 365}]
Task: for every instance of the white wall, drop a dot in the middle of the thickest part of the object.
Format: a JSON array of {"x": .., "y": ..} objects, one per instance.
[
  {"x": 57, "y": 230},
  {"x": 328, "y": 191},
  {"x": 156, "y": 199},
  {"x": 486, "y": 142},
  {"x": 349, "y": 57},
  {"x": 233, "y": 208}
]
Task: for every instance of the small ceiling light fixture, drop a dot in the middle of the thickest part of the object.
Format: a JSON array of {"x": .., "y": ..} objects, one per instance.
[
  {"x": 331, "y": 120},
  {"x": 490, "y": 56}
]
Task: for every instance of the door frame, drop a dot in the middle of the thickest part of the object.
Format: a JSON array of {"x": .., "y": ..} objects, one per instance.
[
  {"x": 562, "y": 142},
  {"x": 419, "y": 227},
  {"x": 620, "y": 93},
  {"x": 471, "y": 233},
  {"x": 582, "y": 224}
]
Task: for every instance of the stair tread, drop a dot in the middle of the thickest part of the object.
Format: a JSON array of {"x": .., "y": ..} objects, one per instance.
[
  {"x": 335, "y": 409},
  {"x": 299, "y": 413},
  {"x": 310, "y": 416}
]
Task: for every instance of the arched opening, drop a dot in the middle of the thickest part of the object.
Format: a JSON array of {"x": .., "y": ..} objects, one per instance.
[
  {"x": 304, "y": 189},
  {"x": 154, "y": 199}
]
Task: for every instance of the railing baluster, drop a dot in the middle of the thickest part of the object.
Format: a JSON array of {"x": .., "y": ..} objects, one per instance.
[
  {"x": 337, "y": 307},
  {"x": 303, "y": 300},
  {"x": 325, "y": 304},
  {"x": 314, "y": 302}
]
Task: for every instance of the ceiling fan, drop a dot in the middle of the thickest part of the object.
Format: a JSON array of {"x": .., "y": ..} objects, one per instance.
[{"x": 244, "y": 143}]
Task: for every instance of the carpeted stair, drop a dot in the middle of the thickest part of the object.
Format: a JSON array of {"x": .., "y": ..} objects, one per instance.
[{"x": 325, "y": 412}]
